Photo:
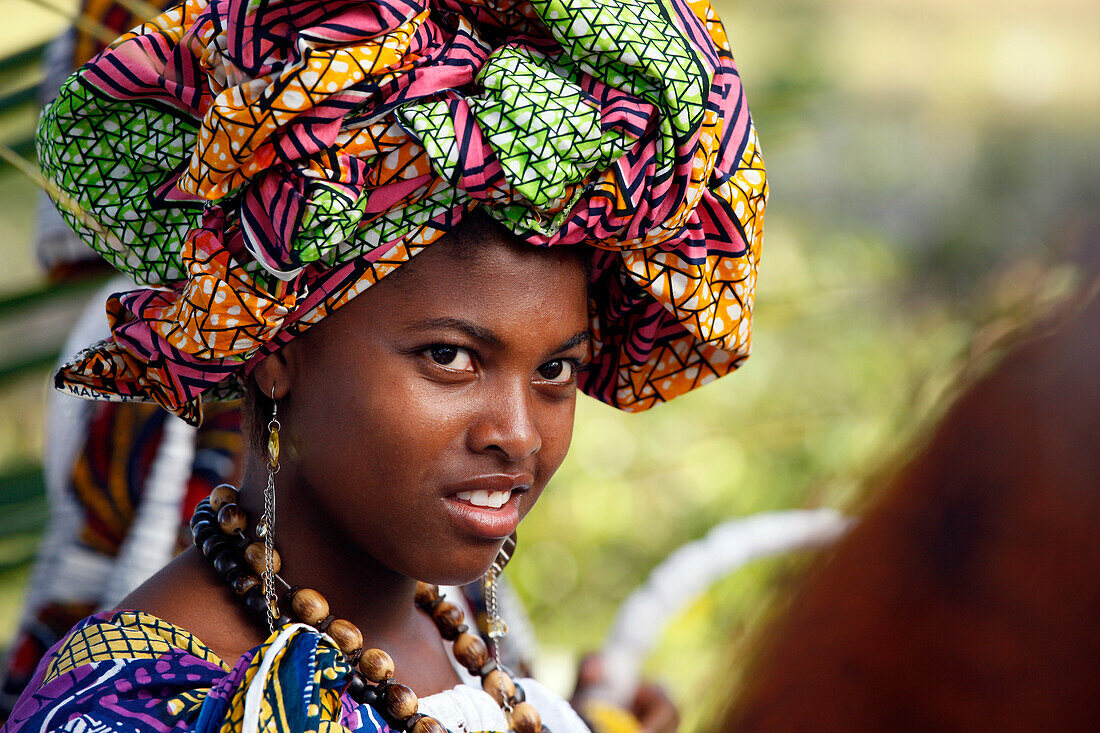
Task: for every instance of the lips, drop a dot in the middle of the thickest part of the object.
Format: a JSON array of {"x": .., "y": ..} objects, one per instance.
[{"x": 487, "y": 506}]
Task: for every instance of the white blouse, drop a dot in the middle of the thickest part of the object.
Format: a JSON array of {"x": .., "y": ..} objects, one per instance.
[{"x": 465, "y": 709}]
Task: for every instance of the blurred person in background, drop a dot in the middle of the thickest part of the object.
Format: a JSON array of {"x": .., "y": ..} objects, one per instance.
[{"x": 122, "y": 479}]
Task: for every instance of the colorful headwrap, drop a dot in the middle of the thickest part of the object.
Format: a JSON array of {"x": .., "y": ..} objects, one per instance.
[{"x": 258, "y": 163}]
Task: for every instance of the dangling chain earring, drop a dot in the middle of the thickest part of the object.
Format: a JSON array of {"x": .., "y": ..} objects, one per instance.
[
  {"x": 267, "y": 525},
  {"x": 497, "y": 627}
]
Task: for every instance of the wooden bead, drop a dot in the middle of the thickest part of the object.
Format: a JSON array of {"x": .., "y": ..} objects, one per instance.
[
  {"x": 376, "y": 665},
  {"x": 518, "y": 696},
  {"x": 203, "y": 530},
  {"x": 426, "y": 593},
  {"x": 470, "y": 651},
  {"x": 232, "y": 519},
  {"x": 221, "y": 496},
  {"x": 428, "y": 725},
  {"x": 226, "y": 564},
  {"x": 202, "y": 512},
  {"x": 525, "y": 719},
  {"x": 214, "y": 545},
  {"x": 357, "y": 686},
  {"x": 346, "y": 635},
  {"x": 448, "y": 617},
  {"x": 254, "y": 554},
  {"x": 497, "y": 681},
  {"x": 255, "y": 602},
  {"x": 310, "y": 606},
  {"x": 245, "y": 583},
  {"x": 400, "y": 701}
]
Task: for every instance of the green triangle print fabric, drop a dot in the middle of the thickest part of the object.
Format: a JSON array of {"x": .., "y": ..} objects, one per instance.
[{"x": 255, "y": 164}]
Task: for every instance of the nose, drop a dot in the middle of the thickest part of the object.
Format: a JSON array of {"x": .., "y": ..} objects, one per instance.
[{"x": 506, "y": 426}]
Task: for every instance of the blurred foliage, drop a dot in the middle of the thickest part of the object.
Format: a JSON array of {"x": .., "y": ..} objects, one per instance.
[{"x": 934, "y": 171}]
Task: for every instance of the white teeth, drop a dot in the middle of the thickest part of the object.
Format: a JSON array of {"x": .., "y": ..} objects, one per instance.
[{"x": 487, "y": 499}]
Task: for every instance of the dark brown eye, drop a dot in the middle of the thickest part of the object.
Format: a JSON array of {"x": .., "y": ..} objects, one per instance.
[
  {"x": 558, "y": 370},
  {"x": 452, "y": 357}
]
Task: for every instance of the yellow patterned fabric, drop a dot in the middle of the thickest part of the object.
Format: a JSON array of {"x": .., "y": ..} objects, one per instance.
[{"x": 127, "y": 635}]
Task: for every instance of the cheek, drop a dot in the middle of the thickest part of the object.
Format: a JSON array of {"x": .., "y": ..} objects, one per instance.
[
  {"x": 380, "y": 426},
  {"x": 557, "y": 433}
]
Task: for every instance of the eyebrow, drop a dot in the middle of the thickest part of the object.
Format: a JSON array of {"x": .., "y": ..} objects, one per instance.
[
  {"x": 472, "y": 330},
  {"x": 486, "y": 336},
  {"x": 581, "y": 337}
]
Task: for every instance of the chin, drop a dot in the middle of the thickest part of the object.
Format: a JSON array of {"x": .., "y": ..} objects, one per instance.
[{"x": 464, "y": 568}]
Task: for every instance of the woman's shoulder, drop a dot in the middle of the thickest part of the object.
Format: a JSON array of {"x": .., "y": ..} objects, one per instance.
[
  {"x": 113, "y": 667},
  {"x": 124, "y": 635}
]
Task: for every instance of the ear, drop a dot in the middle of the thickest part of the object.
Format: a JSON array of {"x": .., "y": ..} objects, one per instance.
[{"x": 274, "y": 375}]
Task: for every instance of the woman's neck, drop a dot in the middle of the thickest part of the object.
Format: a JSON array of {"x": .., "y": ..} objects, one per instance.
[{"x": 357, "y": 587}]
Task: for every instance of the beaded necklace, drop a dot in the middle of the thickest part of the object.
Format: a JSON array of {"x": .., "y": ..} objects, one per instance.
[{"x": 218, "y": 527}]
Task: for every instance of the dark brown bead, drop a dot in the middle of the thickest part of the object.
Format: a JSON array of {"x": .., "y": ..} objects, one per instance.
[
  {"x": 518, "y": 696},
  {"x": 376, "y": 665},
  {"x": 225, "y": 563},
  {"x": 215, "y": 545},
  {"x": 427, "y": 724},
  {"x": 525, "y": 719},
  {"x": 448, "y": 617},
  {"x": 470, "y": 651},
  {"x": 426, "y": 594},
  {"x": 356, "y": 687},
  {"x": 254, "y": 554},
  {"x": 310, "y": 606},
  {"x": 400, "y": 701},
  {"x": 202, "y": 527},
  {"x": 232, "y": 519},
  {"x": 346, "y": 635},
  {"x": 244, "y": 583},
  {"x": 499, "y": 685},
  {"x": 202, "y": 512},
  {"x": 222, "y": 495},
  {"x": 255, "y": 602}
]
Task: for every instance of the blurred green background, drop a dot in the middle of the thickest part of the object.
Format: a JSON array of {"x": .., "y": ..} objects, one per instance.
[{"x": 934, "y": 168}]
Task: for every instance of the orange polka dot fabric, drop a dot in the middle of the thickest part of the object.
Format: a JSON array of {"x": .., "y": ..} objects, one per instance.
[{"x": 255, "y": 164}]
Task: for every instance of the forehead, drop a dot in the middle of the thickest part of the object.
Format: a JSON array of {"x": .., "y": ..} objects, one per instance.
[{"x": 484, "y": 275}]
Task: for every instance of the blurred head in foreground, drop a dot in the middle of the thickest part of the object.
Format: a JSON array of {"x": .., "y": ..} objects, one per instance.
[{"x": 967, "y": 597}]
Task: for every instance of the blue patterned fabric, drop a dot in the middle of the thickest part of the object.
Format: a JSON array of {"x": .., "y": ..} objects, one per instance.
[{"x": 130, "y": 672}]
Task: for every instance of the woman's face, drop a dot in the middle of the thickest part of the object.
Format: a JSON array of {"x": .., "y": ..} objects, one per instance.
[{"x": 422, "y": 420}]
